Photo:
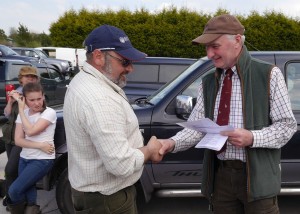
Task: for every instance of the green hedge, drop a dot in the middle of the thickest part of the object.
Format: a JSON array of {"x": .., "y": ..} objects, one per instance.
[{"x": 170, "y": 32}]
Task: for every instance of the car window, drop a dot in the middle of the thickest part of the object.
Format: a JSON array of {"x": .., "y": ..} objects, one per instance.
[
  {"x": 13, "y": 72},
  {"x": 7, "y": 51},
  {"x": 169, "y": 72},
  {"x": 44, "y": 73},
  {"x": 31, "y": 53},
  {"x": 143, "y": 73},
  {"x": 192, "y": 89},
  {"x": 161, "y": 93},
  {"x": 28, "y": 53},
  {"x": 292, "y": 81},
  {"x": 41, "y": 53},
  {"x": 51, "y": 53},
  {"x": 293, "y": 84},
  {"x": 155, "y": 73},
  {"x": 18, "y": 51},
  {"x": 54, "y": 74}
]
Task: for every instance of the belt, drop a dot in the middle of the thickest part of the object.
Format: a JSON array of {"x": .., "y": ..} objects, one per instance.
[
  {"x": 234, "y": 164},
  {"x": 76, "y": 192}
]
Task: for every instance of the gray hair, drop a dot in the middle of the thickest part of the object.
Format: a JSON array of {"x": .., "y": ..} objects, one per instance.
[{"x": 232, "y": 37}]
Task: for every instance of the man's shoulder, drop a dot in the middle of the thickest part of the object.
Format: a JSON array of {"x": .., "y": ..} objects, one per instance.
[{"x": 259, "y": 61}]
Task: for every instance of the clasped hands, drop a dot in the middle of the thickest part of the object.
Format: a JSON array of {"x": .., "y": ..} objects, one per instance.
[{"x": 157, "y": 148}]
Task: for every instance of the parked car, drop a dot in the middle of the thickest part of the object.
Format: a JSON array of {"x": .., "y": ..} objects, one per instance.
[
  {"x": 53, "y": 82},
  {"x": 179, "y": 174},
  {"x": 74, "y": 55},
  {"x": 8, "y": 53},
  {"x": 149, "y": 74},
  {"x": 152, "y": 73},
  {"x": 64, "y": 66}
]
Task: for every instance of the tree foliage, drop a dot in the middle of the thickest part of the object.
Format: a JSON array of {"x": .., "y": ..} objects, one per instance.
[
  {"x": 272, "y": 31},
  {"x": 2, "y": 35},
  {"x": 22, "y": 37},
  {"x": 168, "y": 33}
]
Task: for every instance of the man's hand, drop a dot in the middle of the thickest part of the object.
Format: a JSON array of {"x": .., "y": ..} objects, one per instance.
[
  {"x": 151, "y": 150},
  {"x": 239, "y": 137},
  {"x": 153, "y": 147},
  {"x": 167, "y": 146}
]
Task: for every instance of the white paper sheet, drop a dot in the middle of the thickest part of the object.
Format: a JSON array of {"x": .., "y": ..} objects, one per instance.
[{"x": 213, "y": 139}]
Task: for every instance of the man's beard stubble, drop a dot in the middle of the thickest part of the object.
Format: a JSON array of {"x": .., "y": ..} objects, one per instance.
[{"x": 120, "y": 81}]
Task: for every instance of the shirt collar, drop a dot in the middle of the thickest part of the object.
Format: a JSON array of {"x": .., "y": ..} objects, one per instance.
[
  {"x": 97, "y": 74},
  {"x": 233, "y": 69}
]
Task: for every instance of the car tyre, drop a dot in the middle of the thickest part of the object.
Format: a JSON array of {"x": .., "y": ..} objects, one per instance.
[{"x": 63, "y": 194}]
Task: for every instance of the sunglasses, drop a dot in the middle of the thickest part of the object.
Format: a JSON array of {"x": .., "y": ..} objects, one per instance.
[{"x": 124, "y": 62}]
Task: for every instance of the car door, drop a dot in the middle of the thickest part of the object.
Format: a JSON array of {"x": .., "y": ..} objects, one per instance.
[
  {"x": 60, "y": 82},
  {"x": 48, "y": 84},
  {"x": 290, "y": 156},
  {"x": 54, "y": 85},
  {"x": 183, "y": 168}
]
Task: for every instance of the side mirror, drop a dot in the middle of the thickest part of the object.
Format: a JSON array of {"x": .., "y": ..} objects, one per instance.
[
  {"x": 57, "y": 79},
  {"x": 184, "y": 106},
  {"x": 67, "y": 77}
]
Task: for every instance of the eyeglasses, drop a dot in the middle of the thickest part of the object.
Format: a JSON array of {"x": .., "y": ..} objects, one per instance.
[{"x": 124, "y": 62}]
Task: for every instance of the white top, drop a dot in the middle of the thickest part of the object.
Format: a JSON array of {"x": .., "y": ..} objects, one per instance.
[
  {"x": 102, "y": 135},
  {"x": 46, "y": 136}
]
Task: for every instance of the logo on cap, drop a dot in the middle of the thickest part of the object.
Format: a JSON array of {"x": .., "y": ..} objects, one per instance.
[{"x": 124, "y": 39}]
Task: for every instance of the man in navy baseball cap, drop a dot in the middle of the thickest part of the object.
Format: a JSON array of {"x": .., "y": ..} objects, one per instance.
[
  {"x": 106, "y": 151},
  {"x": 107, "y": 37}
]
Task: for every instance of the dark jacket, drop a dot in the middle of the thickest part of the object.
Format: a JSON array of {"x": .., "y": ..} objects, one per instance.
[{"x": 8, "y": 129}]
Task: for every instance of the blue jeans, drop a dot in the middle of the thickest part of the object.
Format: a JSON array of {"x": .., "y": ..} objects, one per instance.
[{"x": 30, "y": 172}]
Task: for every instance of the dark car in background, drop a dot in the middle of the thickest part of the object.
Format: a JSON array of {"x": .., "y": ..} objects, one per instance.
[
  {"x": 152, "y": 73},
  {"x": 52, "y": 80},
  {"x": 63, "y": 66},
  {"x": 8, "y": 53},
  {"x": 149, "y": 75}
]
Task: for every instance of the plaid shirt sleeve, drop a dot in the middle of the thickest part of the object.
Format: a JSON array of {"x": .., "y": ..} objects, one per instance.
[
  {"x": 188, "y": 137},
  {"x": 284, "y": 124}
]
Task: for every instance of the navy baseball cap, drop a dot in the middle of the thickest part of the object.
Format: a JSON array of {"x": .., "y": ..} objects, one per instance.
[{"x": 107, "y": 37}]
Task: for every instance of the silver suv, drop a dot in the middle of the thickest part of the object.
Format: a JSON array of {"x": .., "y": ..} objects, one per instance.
[{"x": 63, "y": 66}]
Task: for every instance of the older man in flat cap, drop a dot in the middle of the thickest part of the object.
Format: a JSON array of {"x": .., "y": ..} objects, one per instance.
[{"x": 251, "y": 95}]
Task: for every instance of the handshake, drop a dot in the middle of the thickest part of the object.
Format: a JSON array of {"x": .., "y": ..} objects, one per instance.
[{"x": 157, "y": 148}]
